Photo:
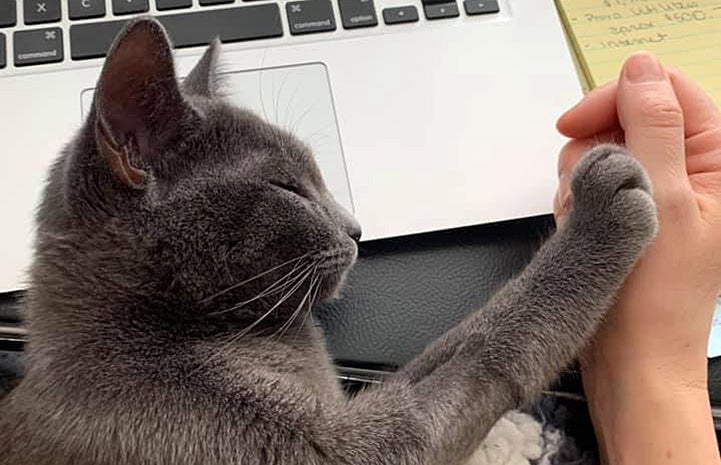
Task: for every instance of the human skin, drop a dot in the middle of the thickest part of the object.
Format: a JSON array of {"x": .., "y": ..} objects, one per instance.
[{"x": 645, "y": 374}]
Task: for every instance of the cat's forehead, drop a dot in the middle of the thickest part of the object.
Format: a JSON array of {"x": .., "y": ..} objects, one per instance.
[{"x": 233, "y": 133}]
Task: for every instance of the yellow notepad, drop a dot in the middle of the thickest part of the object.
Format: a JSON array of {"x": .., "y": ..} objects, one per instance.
[{"x": 683, "y": 33}]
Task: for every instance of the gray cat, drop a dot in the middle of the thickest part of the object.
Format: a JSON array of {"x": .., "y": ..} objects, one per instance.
[{"x": 181, "y": 244}]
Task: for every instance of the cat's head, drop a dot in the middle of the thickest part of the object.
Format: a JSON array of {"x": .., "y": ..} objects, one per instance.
[{"x": 178, "y": 193}]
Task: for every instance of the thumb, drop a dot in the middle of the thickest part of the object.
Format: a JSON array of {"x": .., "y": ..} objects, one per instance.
[{"x": 652, "y": 119}]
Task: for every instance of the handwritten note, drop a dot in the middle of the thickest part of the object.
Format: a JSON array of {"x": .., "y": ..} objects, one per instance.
[{"x": 685, "y": 34}]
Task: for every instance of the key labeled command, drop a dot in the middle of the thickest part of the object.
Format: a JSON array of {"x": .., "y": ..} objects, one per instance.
[
  {"x": 38, "y": 46},
  {"x": 310, "y": 16}
]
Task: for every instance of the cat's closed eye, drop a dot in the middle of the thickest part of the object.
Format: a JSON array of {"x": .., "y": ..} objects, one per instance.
[{"x": 288, "y": 187}]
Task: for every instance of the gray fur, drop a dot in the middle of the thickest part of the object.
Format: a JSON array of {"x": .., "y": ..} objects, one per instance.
[
  {"x": 203, "y": 80},
  {"x": 149, "y": 341}
]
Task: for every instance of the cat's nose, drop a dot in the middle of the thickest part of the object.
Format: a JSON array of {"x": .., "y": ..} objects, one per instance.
[
  {"x": 347, "y": 222},
  {"x": 354, "y": 231}
]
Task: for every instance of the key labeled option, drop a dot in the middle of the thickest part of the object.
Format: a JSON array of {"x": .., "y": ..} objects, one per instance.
[
  {"x": 357, "y": 13},
  {"x": 126, "y": 7},
  {"x": 400, "y": 15},
  {"x": 3, "y": 59},
  {"x": 8, "y": 14},
  {"x": 310, "y": 16},
  {"x": 38, "y": 46},
  {"x": 481, "y": 7},
  {"x": 172, "y": 4},
  {"x": 441, "y": 10},
  {"x": 41, "y": 11},
  {"x": 84, "y": 9}
]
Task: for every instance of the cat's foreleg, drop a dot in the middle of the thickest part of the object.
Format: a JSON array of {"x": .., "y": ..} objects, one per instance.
[{"x": 437, "y": 410}]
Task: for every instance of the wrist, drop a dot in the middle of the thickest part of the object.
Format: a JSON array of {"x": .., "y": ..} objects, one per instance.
[
  {"x": 611, "y": 384},
  {"x": 615, "y": 373},
  {"x": 651, "y": 421},
  {"x": 663, "y": 338}
]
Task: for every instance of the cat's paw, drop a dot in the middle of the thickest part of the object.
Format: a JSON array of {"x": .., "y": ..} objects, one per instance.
[{"x": 612, "y": 197}]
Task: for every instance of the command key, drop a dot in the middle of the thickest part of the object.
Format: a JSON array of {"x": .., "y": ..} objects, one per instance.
[{"x": 38, "y": 46}]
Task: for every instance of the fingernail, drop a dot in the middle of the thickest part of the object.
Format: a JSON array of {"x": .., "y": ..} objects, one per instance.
[{"x": 643, "y": 67}]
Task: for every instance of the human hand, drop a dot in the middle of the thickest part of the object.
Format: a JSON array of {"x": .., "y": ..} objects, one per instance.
[
  {"x": 645, "y": 374},
  {"x": 664, "y": 311}
]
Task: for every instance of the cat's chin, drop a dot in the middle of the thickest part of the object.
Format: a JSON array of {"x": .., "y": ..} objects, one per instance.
[
  {"x": 333, "y": 274},
  {"x": 331, "y": 284}
]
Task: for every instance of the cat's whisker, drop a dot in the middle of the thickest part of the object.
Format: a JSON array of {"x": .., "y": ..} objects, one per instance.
[
  {"x": 230, "y": 340},
  {"x": 311, "y": 304},
  {"x": 321, "y": 131},
  {"x": 279, "y": 285},
  {"x": 296, "y": 260},
  {"x": 285, "y": 297},
  {"x": 299, "y": 309},
  {"x": 313, "y": 296},
  {"x": 296, "y": 123},
  {"x": 253, "y": 278},
  {"x": 260, "y": 84},
  {"x": 289, "y": 104}
]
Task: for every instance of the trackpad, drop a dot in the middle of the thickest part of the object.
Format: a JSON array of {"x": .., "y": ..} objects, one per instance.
[{"x": 296, "y": 98}]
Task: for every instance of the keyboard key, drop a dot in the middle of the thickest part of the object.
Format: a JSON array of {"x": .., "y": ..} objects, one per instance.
[
  {"x": 38, "y": 46},
  {"x": 481, "y": 7},
  {"x": 126, "y": 7},
  {"x": 41, "y": 11},
  {"x": 214, "y": 2},
  {"x": 3, "y": 59},
  {"x": 441, "y": 10},
  {"x": 8, "y": 13},
  {"x": 83, "y": 9},
  {"x": 93, "y": 40},
  {"x": 172, "y": 4},
  {"x": 357, "y": 13},
  {"x": 310, "y": 16},
  {"x": 401, "y": 14}
]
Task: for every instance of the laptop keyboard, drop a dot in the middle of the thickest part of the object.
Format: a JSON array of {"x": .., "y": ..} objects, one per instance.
[{"x": 34, "y": 45}]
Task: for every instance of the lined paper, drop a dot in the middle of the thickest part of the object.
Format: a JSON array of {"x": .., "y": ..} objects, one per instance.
[{"x": 685, "y": 34}]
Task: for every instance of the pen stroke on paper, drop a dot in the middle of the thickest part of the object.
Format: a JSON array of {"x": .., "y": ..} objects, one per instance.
[{"x": 684, "y": 34}]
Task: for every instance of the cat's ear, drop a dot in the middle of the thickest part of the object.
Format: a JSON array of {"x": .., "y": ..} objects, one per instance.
[
  {"x": 203, "y": 79},
  {"x": 138, "y": 104}
]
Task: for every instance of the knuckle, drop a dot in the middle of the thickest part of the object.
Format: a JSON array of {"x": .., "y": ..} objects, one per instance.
[
  {"x": 660, "y": 110},
  {"x": 674, "y": 200}
]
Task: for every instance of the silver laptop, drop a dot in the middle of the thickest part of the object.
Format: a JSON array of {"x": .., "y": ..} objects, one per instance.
[{"x": 423, "y": 114}]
